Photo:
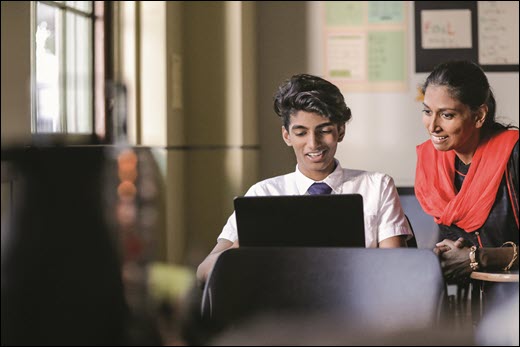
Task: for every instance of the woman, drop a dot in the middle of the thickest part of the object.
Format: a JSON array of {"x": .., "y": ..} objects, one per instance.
[{"x": 467, "y": 172}]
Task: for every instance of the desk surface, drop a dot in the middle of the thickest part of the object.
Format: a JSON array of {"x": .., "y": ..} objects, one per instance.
[{"x": 495, "y": 276}]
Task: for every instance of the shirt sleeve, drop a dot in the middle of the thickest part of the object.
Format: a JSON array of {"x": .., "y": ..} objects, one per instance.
[
  {"x": 391, "y": 221},
  {"x": 229, "y": 232}
]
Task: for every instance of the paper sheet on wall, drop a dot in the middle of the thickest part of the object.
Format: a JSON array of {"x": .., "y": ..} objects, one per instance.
[
  {"x": 446, "y": 29},
  {"x": 347, "y": 56},
  {"x": 498, "y": 32}
]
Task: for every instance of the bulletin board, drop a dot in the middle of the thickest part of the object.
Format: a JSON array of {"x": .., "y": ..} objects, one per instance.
[{"x": 485, "y": 32}]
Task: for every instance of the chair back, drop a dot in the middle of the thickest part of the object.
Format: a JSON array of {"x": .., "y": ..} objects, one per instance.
[
  {"x": 384, "y": 288},
  {"x": 425, "y": 229}
]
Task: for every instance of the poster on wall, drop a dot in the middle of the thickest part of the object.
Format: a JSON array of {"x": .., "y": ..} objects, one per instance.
[
  {"x": 485, "y": 32},
  {"x": 498, "y": 33},
  {"x": 366, "y": 45}
]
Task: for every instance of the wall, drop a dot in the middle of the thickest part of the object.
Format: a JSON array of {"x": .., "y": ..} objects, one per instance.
[
  {"x": 220, "y": 116},
  {"x": 282, "y": 52},
  {"x": 195, "y": 98},
  {"x": 16, "y": 72}
]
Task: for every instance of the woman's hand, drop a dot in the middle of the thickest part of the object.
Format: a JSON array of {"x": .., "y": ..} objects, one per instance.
[
  {"x": 446, "y": 245},
  {"x": 454, "y": 258}
]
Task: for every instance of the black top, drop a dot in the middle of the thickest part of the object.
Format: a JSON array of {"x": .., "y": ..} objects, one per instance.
[{"x": 500, "y": 225}]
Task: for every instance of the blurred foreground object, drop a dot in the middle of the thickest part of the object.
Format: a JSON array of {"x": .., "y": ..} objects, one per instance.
[
  {"x": 499, "y": 324},
  {"x": 366, "y": 289},
  {"x": 76, "y": 245},
  {"x": 170, "y": 288},
  {"x": 61, "y": 279}
]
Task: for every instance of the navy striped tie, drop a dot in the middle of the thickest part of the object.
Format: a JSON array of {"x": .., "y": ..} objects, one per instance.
[{"x": 319, "y": 188}]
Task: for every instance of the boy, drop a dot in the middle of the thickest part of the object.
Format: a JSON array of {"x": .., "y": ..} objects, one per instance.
[{"x": 314, "y": 114}]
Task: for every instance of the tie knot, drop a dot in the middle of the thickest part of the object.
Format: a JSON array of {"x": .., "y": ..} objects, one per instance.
[{"x": 319, "y": 188}]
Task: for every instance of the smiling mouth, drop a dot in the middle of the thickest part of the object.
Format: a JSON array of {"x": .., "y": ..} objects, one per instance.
[
  {"x": 438, "y": 139},
  {"x": 316, "y": 155}
]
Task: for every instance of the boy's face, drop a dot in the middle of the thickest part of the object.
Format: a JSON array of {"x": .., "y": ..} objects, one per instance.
[{"x": 314, "y": 139}]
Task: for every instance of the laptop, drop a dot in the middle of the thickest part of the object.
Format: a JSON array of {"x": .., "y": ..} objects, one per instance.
[{"x": 300, "y": 220}]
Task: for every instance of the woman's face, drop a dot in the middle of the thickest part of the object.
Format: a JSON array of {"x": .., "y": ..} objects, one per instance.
[{"x": 451, "y": 124}]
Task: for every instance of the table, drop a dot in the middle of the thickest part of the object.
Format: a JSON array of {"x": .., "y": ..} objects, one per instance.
[
  {"x": 504, "y": 276},
  {"x": 478, "y": 280}
]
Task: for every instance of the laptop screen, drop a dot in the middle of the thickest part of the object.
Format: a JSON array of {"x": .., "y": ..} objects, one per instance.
[{"x": 300, "y": 220}]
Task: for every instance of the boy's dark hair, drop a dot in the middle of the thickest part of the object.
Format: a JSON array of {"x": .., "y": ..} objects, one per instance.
[{"x": 310, "y": 94}]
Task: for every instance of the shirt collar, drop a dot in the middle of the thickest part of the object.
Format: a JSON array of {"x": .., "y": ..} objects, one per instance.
[{"x": 334, "y": 180}]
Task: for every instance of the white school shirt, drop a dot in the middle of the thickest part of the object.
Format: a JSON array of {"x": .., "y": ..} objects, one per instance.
[{"x": 384, "y": 216}]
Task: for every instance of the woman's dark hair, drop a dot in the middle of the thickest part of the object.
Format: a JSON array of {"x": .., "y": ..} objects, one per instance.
[
  {"x": 467, "y": 83},
  {"x": 310, "y": 94}
]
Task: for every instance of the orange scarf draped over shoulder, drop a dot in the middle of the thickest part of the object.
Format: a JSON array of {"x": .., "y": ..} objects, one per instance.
[{"x": 469, "y": 208}]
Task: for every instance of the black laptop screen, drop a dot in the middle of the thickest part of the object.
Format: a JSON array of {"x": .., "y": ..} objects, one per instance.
[{"x": 301, "y": 220}]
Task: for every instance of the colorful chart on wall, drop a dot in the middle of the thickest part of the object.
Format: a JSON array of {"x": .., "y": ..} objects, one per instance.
[{"x": 366, "y": 44}]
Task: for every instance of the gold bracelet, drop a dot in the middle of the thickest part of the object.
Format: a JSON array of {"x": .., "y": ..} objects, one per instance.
[
  {"x": 515, "y": 254},
  {"x": 473, "y": 263}
]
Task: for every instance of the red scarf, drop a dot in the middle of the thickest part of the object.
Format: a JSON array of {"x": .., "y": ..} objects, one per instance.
[{"x": 435, "y": 188}]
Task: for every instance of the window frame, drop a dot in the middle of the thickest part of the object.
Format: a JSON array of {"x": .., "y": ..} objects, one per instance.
[{"x": 101, "y": 68}]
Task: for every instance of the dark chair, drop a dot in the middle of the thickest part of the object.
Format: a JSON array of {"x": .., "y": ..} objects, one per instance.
[
  {"x": 411, "y": 243},
  {"x": 425, "y": 229},
  {"x": 379, "y": 288}
]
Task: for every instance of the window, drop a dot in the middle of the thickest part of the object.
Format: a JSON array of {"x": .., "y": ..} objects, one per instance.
[{"x": 64, "y": 66}]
